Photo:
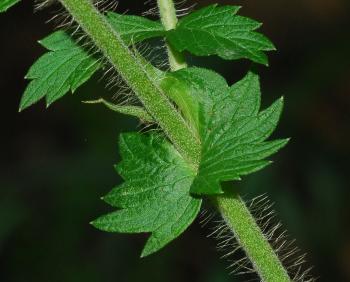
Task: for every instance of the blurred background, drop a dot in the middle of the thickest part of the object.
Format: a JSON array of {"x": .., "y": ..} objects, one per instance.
[{"x": 56, "y": 163}]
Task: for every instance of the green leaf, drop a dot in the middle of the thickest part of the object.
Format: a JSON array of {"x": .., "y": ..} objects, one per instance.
[
  {"x": 66, "y": 67},
  {"x": 217, "y": 30},
  {"x": 228, "y": 122},
  {"x": 134, "y": 29},
  {"x": 6, "y": 4},
  {"x": 155, "y": 195}
]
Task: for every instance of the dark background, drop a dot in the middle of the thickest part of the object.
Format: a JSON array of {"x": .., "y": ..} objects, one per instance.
[{"x": 56, "y": 163}]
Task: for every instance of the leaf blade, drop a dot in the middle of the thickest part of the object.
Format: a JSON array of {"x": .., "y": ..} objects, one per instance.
[
  {"x": 64, "y": 68},
  {"x": 155, "y": 196},
  {"x": 7, "y": 4},
  {"x": 134, "y": 29},
  {"x": 217, "y": 30},
  {"x": 230, "y": 126}
]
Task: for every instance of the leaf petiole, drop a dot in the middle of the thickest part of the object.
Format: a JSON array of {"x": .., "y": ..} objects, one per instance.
[
  {"x": 169, "y": 20},
  {"x": 135, "y": 111}
]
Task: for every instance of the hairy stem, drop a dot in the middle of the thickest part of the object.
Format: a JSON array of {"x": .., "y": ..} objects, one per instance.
[
  {"x": 169, "y": 20},
  {"x": 232, "y": 207},
  {"x": 164, "y": 113},
  {"x": 248, "y": 234},
  {"x": 135, "y": 74}
]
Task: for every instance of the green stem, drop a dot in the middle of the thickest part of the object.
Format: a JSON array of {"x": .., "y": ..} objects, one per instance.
[
  {"x": 169, "y": 20},
  {"x": 238, "y": 217},
  {"x": 232, "y": 207},
  {"x": 135, "y": 75},
  {"x": 157, "y": 104}
]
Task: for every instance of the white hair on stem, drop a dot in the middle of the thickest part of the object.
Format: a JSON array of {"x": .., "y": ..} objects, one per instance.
[
  {"x": 112, "y": 80},
  {"x": 106, "y": 5},
  {"x": 181, "y": 7},
  {"x": 262, "y": 209},
  {"x": 153, "y": 10}
]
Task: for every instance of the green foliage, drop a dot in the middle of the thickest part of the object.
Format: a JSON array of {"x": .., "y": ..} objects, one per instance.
[
  {"x": 228, "y": 122},
  {"x": 216, "y": 133},
  {"x": 6, "y": 4},
  {"x": 219, "y": 31},
  {"x": 155, "y": 195},
  {"x": 66, "y": 67},
  {"x": 210, "y": 31},
  {"x": 159, "y": 181},
  {"x": 134, "y": 29},
  {"x": 213, "y": 30}
]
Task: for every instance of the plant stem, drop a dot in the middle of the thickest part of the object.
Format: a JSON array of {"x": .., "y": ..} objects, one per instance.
[
  {"x": 248, "y": 234},
  {"x": 231, "y": 206},
  {"x": 135, "y": 75},
  {"x": 169, "y": 19},
  {"x": 157, "y": 104}
]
